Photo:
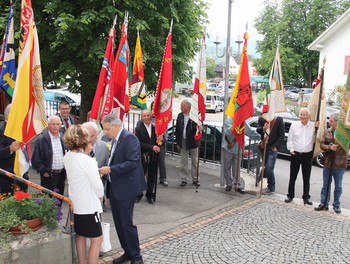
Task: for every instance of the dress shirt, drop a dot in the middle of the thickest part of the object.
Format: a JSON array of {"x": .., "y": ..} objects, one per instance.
[
  {"x": 186, "y": 118},
  {"x": 57, "y": 152},
  {"x": 149, "y": 129},
  {"x": 301, "y": 137}
]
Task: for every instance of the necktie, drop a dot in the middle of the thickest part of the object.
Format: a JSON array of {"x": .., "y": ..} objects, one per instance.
[
  {"x": 92, "y": 154},
  {"x": 66, "y": 122}
]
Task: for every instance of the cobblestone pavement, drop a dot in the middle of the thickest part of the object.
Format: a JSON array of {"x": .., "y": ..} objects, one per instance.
[{"x": 261, "y": 231}]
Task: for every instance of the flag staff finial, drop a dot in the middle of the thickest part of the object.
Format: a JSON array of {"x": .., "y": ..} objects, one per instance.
[
  {"x": 115, "y": 20},
  {"x": 171, "y": 25}
]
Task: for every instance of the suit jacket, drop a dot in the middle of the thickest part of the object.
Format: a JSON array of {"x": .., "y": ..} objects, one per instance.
[
  {"x": 7, "y": 159},
  {"x": 276, "y": 136},
  {"x": 127, "y": 178},
  {"x": 42, "y": 154},
  {"x": 101, "y": 153},
  {"x": 146, "y": 142},
  {"x": 191, "y": 129},
  {"x": 63, "y": 128}
]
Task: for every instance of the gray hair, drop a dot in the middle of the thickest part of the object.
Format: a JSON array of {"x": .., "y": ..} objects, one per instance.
[
  {"x": 91, "y": 125},
  {"x": 54, "y": 117},
  {"x": 187, "y": 102},
  {"x": 335, "y": 116},
  {"x": 304, "y": 109},
  {"x": 112, "y": 119}
]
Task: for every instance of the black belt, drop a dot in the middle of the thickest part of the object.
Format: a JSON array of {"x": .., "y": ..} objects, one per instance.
[
  {"x": 302, "y": 153},
  {"x": 57, "y": 171}
]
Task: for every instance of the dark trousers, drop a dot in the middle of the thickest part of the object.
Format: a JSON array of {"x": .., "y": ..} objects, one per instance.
[
  {"x": 127, "y": 232},
  {"x": 161, "y": 164},
  {"x": 151, "y": 170},
  {"x": 303, "y": 159},
  {"x": 55, "y": 182}
]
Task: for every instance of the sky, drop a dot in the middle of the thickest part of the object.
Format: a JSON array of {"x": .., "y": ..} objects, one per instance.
[{"x": 242, "y": 11}]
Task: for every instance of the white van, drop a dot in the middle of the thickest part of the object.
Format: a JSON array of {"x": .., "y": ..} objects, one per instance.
[{"x": 214, "y": 103}]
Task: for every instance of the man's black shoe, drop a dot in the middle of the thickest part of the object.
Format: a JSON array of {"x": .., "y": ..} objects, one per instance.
[
  {"x": 307, "y": 201},
  {"x": 196, "y": 183},
  {"x": 240, "y": 191},
  {"x": 288, "y": 200},
  {"x": 337, "y": 209},
  {"x": 139, "y": 261},
  {"x": 151, "y": 201},
  {"x": 164, "y": 183},
  {"x": 138, "y": 199},
  {"x": 122, "y": 259},
  {"x": 321, "y": 207},
  {"x": 228, "y": 188},
  {"x": 183, "y": 184}
]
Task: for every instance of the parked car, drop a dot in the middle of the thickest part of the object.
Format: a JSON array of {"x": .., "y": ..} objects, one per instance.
[
  {"x": 54, "y": 97},
  {"x": 253, "y": 123},
  {"x": 294, "y": 95},
  {"x": 210, "y": 147},
  {"x": 214, "y": 103},
  {"x": 290, "y": 89},
  {"x": 288, "y": 114}
]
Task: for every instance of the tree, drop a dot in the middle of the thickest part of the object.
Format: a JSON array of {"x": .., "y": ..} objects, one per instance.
[
  {"x": 295, "y": 24},
  {"x": 211, "y": 65},
  {"x": 73, "y": 36}
]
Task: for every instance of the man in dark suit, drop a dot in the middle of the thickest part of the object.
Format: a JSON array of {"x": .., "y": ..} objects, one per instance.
[
  {"x": 185, "y": 132},
  {"x": 146, "y": 133},
  {"x": 275, "y": 132},
  {"x": 8, "y": 147},
  {"x": 66, "y": 118},
  {"x": 126, "y": 182}
]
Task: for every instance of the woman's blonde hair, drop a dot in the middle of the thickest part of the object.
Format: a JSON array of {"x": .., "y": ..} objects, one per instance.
[{"x": 76, "y": 137}]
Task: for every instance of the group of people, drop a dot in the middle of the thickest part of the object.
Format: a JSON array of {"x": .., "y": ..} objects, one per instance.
[
  {"x": 127, "y": 165},
  {"x": 300, "y": 143}
]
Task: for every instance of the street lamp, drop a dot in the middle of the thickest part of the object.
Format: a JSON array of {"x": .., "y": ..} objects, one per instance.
[{"x": 227, "y": 52}]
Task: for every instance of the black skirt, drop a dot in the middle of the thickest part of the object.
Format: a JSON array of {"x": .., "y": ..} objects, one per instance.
[{"x": 88, "y": 225}]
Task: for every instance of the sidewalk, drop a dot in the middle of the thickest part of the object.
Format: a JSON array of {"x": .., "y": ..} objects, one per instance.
[{"x": 215, "y": 226}]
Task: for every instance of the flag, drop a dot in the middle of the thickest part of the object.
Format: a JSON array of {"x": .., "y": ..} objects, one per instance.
[
  {"x": 7, "y": 59},
  {"x": 342, "y": 131},
  {"x": 120, "y": 78},
  {"x": 162, "y": 107},
  {"x": 317, "y": 108},
  {"x": 240, "y": 107},
  {"x": 103, "y": 100},
  {"x": 137, "y": 87},
  {"x": 27, "y": 115},
  {"x": 275, "y": 92},
  {"x": 197, "y": 113}
]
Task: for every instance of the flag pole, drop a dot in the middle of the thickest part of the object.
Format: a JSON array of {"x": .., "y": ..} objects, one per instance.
[
  {"x": 238, "y": 167},
  {"x": 263, "y": 163}
]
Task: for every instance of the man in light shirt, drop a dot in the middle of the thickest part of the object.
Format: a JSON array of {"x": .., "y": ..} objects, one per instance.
[{"x": 300, "y": 144}]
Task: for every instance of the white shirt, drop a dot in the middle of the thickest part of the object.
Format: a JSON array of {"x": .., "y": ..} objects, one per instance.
[
  {"x": 149, "y": 129},
  {"x": 301, "y": 137},
  {"x": 57, "y": 152},
  {"x": 84, "y": 183},
  {"x": 186, "y": 118}
]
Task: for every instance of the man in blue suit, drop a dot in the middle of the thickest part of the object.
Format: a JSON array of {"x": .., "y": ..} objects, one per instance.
[{"x": 126, "y": 182}]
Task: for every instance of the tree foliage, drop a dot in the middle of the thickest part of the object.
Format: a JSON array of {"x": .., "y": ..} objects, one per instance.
[
  {"x": 73, "y": 37},
  {"x": 294, "y": 24}
]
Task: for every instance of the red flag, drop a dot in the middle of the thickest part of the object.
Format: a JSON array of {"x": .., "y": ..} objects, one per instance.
[
  {"x": 103, "y": 100},
  {"x": 197, "y": 113},
  {"x": 120, "y": 76},
  {"x": 163, "y": 101},
  {"x": 244, "y": 102}
]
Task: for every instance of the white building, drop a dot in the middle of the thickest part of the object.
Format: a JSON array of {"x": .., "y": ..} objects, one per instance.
[{"x": 334, "y": 45}]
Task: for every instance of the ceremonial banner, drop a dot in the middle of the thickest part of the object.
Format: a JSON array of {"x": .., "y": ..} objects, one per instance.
[
  {"x": 137, "y": 88},
  {"x": 163, "y": 102},
  {"x": 27, "y": 116},
  {"x": 197, "y": 113},
  {"x": 7, "y": 59},
  {"x": 103, "y": 100},
  {"x": 342, "y": 132},
  {"x": 240, "y": 107},
  {"x": 275, "y": 91},
  {"x": 120, "y": 76}
]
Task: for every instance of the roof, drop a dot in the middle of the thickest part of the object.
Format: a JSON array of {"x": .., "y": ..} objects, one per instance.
[{"x": 342, "y": 21}]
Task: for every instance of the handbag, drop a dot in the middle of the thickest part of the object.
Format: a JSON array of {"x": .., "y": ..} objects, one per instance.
[{"x": 106, "y": 243}]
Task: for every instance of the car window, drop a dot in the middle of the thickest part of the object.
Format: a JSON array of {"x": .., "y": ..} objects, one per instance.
[{"x": 48, "y": 96}]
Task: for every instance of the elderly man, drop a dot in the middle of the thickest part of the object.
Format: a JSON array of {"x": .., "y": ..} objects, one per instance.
[
  {"x": 127, "y": 181},
  {"x": 146, "y": 133},
  {"x": 185, "y": 142},
  {"x": 48, "y": 156},
  {"x": 300, "y": 144},
  {"x": 100, "y": 151},
  {"x": 334, "y": 163}
]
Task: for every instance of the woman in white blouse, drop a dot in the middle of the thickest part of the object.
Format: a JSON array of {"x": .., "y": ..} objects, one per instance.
[{"x": 85, "y": 190}]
